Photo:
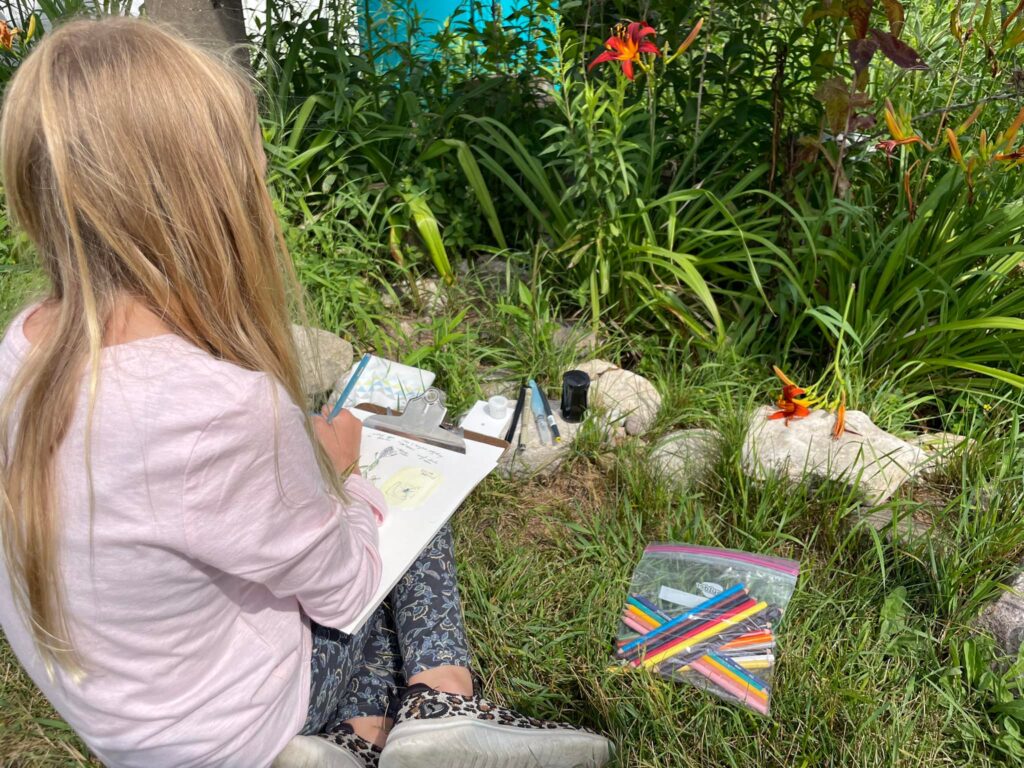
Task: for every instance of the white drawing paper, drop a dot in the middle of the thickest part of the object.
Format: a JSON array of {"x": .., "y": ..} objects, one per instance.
[{"x": 426, "y": 484}]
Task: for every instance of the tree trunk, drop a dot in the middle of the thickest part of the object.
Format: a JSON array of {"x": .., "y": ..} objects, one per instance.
[{"x": 218, "y": 25}]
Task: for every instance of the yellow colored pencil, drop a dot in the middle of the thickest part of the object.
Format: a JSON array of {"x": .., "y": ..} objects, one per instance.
[
  {"x": 723, "y": 625},
  {"x": 642, "y": 617}
]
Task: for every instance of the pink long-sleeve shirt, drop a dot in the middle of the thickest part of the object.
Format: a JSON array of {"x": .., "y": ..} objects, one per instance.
[{"x": 212, "y": 536}]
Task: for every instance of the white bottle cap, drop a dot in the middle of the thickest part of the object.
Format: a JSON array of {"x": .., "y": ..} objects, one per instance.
[{"x": 497, "y": 407}]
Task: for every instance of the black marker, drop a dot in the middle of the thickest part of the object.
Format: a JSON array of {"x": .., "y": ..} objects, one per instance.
[{"x": 515, "y": 415}]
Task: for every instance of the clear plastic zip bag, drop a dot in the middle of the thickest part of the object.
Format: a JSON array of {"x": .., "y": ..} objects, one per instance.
[{"x": 709, "y": 617}]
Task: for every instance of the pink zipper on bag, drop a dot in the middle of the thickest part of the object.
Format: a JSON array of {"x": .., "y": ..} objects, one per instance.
[{"x": 767, "y": 561}]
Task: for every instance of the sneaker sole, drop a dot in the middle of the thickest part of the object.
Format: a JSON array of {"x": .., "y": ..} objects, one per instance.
[
  {"x": 463, "y": 743},
  {"x": 314, "y": 752}
]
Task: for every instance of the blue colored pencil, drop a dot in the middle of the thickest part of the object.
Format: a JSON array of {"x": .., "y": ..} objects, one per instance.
[
  {"x": 349, "y": 387},
  {"x": 669, "y": 625}
]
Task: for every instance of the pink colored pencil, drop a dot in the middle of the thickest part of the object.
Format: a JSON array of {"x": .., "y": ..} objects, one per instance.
[
  {"x": 730, "y": 686},
  {"x": 633, "y": 624}
]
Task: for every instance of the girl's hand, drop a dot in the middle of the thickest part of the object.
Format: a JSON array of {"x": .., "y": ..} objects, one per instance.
[{"x": 340, "y": 439}]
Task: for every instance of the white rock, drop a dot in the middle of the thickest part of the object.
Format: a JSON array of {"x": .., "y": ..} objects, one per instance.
[
  {"x": 532, "y": 458},
  {"x": 323, "y": 357},
  {"x": 431, "y": 295},
  {"x": 866, "y": 456},
  {"x": 686, "y": 456},
  {"x": 625, "y": 392}
]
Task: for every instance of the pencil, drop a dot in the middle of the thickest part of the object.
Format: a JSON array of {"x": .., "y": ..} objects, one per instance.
[
  {"x": 675, "y": 629},
  {"x": 740, "y": 692},
  {"x": 717, "y": 627},
  {"x": 349, "y": 387},
  {"x": 651, "y": 608},
  {"x": 697, "y": 611},
  {"x": 654, "y": 616}
]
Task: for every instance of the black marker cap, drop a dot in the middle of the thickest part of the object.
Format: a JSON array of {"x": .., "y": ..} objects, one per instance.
[{"x": 574, "y": 395}]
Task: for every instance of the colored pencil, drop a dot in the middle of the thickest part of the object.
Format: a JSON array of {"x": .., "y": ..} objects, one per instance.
[
  {"x": 719, "y": 625},
  {"x": 760, "y": 661},
  {"x": 693, "y": 631},
  {"x": 640, "y": 617},
  {"x": 652, "y": 608},
  {"x": 349, "y": 387},
  {"x": 750, "y": 638},
  {"x": 658, "y": 620},
  {"x": 735, "y": 669},
  {"x": 686, "y": 627},
  {"x": 740, "y": 692},
  {"x": 632, "y": 623},
  {"x": 698, "y": 611}
]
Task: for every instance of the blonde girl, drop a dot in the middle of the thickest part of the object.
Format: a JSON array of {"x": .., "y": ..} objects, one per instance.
[{"x": 179, "y": 542}]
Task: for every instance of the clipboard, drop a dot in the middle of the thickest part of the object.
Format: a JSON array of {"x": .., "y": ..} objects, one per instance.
[{"x": 424, "y": 484}]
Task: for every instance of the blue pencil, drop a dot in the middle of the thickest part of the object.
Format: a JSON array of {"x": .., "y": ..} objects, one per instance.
[
  {"x": 348, "y": 387},
  {"x": 696, "y": 611}
]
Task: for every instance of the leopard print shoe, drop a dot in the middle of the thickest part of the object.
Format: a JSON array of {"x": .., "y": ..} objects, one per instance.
[
  {"x": 339, "y": 749},
  {"x": 445, "y": 730}
]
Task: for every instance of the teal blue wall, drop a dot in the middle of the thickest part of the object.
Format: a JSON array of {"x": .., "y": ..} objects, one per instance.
[{"x": 435, "y": 12}]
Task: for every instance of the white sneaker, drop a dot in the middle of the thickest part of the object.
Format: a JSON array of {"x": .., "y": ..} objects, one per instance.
[
  {"x": 340, "y": 749},
  {"x": 445, "y": 730}
]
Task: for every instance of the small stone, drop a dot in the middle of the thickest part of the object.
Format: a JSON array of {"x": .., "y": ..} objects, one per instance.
[
  {"x": 631, "y": 395},
  {"x": 323, "y": 357},
  {"x": 1004, "y": 616},
  {"x": 628, "y": 394},
  {"x": 581, "y": 340},
  {"x": 864, "y": 456},
  {"x": 686, "y": 456},
  {"x": 432, "y": 298}
]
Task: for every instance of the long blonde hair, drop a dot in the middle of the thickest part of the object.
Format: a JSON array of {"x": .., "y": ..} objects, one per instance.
[{"x": 131, "y": 158}]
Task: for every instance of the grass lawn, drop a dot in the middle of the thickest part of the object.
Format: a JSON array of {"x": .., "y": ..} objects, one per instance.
[{"x": 876, "y": 668}]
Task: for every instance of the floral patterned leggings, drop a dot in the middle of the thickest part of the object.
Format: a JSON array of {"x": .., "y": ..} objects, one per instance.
[{"x": 419, "y": 627}]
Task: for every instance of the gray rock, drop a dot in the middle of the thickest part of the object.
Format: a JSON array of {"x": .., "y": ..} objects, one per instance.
[
  {"x": 686, "y": 456},
  {"x": 323, "y": 357},
  {"x": 867, "y": 457},
  {"x": 578, "y": 338},
  {"x": 1004, "y": 617},
  {"x": 629, "y": 394}
]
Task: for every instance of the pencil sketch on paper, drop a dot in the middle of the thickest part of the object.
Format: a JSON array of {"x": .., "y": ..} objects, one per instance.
[
  {"x": 410, "y": 487},
  {"x": 385, "y": 454}
]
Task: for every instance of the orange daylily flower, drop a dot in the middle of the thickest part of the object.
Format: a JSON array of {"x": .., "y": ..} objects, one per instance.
[
  {"x": 627, "y": 45},
  {"x": 7, "y": 33},
  {"x": 790, "y": 405},
  {"x": 889, "y": 145},
  {"x": 840, "y": 427}
]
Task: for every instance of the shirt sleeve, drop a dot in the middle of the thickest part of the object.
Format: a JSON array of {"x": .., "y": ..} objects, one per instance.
[{"x": 256, "y": 507}]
